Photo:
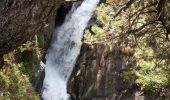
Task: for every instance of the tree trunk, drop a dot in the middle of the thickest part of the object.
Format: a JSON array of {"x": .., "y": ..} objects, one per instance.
[
  {"x": 20, "y": 20},
  {"x": 164, "y": 14}
]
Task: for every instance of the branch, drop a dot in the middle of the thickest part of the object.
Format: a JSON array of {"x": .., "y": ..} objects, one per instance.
[
  {"x": 159, "y": 8},
  {"x": 123, "y": 8},
  {"x": 150, "y": 5},
  {"x": 141, "y": 13},
  {"x": 140, "y": 28}
]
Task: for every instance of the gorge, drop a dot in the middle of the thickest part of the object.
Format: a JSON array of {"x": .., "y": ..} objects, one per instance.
[
  {"x": 65, "y": 48},
  {"x": 84, "y": 50}
]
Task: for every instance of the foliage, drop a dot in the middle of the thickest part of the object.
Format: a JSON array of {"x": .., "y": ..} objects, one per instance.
[
  {"x": 30, "y": 54},
  {"x": 14, "y": 84},
  {"x": 151, "y": 69},
  {"x": 135, "y": 24},
  {"x": 17, "y": 72}
]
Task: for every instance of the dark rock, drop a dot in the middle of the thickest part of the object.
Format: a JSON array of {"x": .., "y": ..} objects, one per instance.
[
  {"x": 97, "y": 75},
  {"x": 62, "y": 12},
  {"x": 20, "y": 20},
  {"x": 1, "y": 61}
]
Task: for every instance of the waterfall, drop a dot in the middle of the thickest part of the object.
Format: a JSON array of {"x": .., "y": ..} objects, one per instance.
[{"x": 65, "y": 48}]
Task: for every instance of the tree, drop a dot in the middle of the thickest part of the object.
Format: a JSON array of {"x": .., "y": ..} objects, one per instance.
[{"x": 141, "y": 28}]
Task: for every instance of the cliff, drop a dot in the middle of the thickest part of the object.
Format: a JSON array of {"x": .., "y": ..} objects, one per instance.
[
  {"x": 20, "y": 48},
  {"x": 98, "y": 75},
  {"x": 101, "y": 71},
  {"x": 21, "y": 20}
]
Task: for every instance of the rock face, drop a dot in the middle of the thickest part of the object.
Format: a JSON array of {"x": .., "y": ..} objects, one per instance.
[
  {"x": 20, "y": 20},
  {"x": 97, "y": 76}
]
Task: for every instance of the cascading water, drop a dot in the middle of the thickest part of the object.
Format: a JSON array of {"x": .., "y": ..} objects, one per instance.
[{"x": 64, "y": 50}]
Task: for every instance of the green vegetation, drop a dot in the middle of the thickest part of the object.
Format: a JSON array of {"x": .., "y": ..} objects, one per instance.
[
  {"x": 15, "y": 85},
  {"x": 140, "y": 28},
  {"x": 17, "y": 73},
  {"x": 151, "y": 69},
  {"x": 135, "y": 24}
]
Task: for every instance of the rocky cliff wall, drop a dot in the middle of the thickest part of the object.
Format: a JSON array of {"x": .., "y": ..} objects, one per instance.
[
  {"x": 98, "y": 76},
  {"x": 21, "y": 20}
]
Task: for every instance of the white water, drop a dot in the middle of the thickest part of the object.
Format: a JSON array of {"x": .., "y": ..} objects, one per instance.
[{"x": 65, "y": 48}]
